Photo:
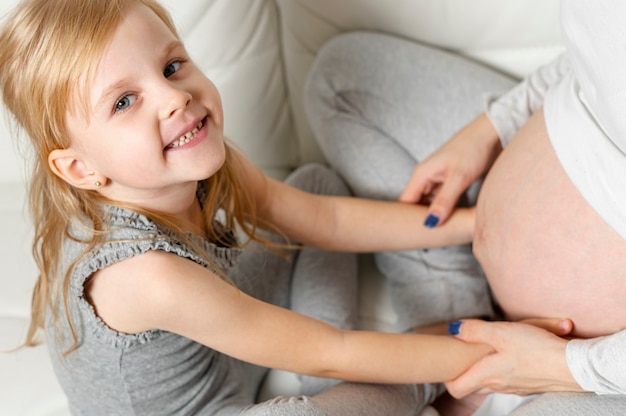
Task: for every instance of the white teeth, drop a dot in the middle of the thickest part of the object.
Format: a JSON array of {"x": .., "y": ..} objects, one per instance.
[{"x": 185, "y": 138}]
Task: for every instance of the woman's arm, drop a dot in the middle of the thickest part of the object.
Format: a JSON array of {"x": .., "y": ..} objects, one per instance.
[
  {"x": 180, "y": 296},
  {"x": 346, "y": 223},
  {"x": 440, "y": 179},
  {"x": 598, "y": 364},
  {"x": 509, "y": 112}
]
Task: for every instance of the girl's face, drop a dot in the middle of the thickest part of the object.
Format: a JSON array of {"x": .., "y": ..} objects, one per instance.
[{"x": 155, "y": 121}]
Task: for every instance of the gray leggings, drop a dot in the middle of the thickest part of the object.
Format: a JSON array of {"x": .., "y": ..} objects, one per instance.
[
  {"x": 378, "y": 105},
  {"x": 322, "y": 285}
]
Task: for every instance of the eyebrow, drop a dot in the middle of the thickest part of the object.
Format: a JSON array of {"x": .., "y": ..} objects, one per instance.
[{"x": 112, "y": 91}]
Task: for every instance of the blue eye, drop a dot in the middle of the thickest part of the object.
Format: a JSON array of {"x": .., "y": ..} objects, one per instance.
[
  {"x": 171, "y": 68},
  {"x": 125, "y": 102}
]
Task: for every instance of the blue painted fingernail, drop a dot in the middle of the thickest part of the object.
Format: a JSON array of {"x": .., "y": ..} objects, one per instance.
[
  {"x": 454, "y": 327},
  {"x": 431, "y": 221}
]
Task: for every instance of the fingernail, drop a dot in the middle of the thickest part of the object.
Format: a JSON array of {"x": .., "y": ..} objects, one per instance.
[
  {"x": 431, "y": 221},
  {"x": 454, "y": 327}
]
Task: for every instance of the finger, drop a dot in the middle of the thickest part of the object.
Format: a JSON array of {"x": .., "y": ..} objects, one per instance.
[
  {"x": 474, "y": 331},
  {"x": 558, "y": 326},
  {"x": 478, "y": 379},
  {"x": 463, "y": 386},
  {"x": 415, "y": 189},
  {"x": 445, "y": 201},
  {"x": 455, "y": 390},
  {"x": 458, "y": 391}
]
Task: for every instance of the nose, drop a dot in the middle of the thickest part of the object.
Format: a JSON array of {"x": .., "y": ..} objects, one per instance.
[{"x": 172, "y": 100}]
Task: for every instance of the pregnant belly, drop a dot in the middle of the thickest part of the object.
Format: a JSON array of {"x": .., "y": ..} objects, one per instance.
[{"x": 544, "y": 250}]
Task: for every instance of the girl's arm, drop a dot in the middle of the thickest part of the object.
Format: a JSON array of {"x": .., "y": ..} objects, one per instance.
[
  {"x": 350, "y": 224},
  {"x": 178, "y": 295}
]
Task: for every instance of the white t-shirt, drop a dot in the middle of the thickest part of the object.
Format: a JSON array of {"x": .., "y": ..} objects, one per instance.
[{"x": 586, "y": 111}]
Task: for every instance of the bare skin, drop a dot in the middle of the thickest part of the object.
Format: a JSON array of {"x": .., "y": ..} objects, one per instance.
[{"x": 545, "y": 251}]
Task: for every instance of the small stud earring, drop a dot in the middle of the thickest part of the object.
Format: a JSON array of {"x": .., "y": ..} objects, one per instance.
[{"x": 97, "y": 184}]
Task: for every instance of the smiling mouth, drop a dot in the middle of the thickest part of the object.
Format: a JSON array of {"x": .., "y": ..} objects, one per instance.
[{"x": 187, "y": 137}]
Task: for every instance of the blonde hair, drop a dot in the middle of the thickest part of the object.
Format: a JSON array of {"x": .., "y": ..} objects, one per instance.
[{"x": 48, "y": 51}]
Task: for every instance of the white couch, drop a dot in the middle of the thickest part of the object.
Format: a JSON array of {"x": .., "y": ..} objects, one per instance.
[{"x": 258, "y": 53}]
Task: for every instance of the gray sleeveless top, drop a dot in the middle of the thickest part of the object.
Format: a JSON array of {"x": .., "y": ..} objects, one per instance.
[{"x": 150, "y": 373}]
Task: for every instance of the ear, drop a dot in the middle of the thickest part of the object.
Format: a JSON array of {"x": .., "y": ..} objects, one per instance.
[{"x": 67, "y": 165}]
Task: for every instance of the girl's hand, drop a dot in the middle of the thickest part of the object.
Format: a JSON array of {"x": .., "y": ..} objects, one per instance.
[
  {"x": 528, "y": 358},
  {"x": 441, "y": 178}
]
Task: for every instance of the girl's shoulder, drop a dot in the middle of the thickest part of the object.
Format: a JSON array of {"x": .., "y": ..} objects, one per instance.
[
  {"x": 131, "y": 235},
  {"x": 135, "y": 263}
]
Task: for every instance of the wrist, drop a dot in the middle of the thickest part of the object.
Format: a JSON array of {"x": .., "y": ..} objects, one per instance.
[
  {"x": 461, "y": 225},
  {"x": 469, "y": 223},
  {"x": 487, "y": 132}
]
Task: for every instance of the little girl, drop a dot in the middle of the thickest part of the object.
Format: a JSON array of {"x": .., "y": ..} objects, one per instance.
[{"x": 150, "y": 303}]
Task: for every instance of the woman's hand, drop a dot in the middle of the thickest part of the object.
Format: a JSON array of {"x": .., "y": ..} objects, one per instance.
[
  {"x": 529, "y": 358},
  {"x": 441, "y": 178}
]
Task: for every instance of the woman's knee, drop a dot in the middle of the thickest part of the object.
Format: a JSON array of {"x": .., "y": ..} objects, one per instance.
[{"x": 344, "y": 62}]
